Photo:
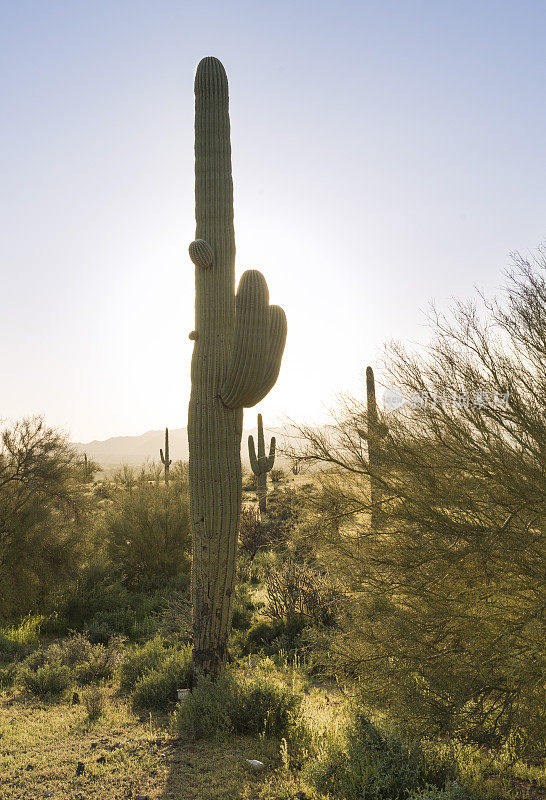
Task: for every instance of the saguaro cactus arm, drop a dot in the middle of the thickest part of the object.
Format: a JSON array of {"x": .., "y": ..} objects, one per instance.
[
  {"x": 252, "y": 455},
  {"x": 165, "y": 456},
  {"x": 276, "y": 342},
  {"x": 261, "y": 465},
  {"x": 258, "y": 344},
  {"x": 201, "y": 253},
  {"x": 271, "y": 459}
]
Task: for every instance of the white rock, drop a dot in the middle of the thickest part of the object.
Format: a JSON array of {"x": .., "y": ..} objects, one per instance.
[{"x": 257, "y": 766}]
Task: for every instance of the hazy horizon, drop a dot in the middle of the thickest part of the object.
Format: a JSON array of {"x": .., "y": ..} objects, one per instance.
[{"x": 384, "y": 155}]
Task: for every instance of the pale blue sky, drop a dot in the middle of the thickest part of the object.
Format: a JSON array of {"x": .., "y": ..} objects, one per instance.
[{"x": 384, "y": 154}]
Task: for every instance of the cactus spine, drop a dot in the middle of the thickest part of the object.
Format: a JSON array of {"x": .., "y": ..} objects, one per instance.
[
  {"x": 262, "y": 464},
  {"x": 238, "y": 346},
  {"x": 165, "y": 460}
]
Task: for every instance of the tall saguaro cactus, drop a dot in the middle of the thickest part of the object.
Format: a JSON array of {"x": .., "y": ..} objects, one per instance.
[
  {"x": 373, "y": 435},
  {"x": 238, "y": 345},
  {"x": 261, "y": 464},
  {"x": 165, "y": 460}
]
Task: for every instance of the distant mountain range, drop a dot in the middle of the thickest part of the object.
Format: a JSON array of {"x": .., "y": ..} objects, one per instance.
[{"x": 136, "y": 450}]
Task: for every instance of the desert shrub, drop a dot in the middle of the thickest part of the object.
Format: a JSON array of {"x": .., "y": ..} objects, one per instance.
[
  {"x": 102, "y": 606},
  {"x": 243, "y": 608},
  {"x": 102, "y": 490},
  {"x": 272, "y": 636},
  {"x": 156, "y": 690},
  {"x": 26, "y": 632},
  {"x": 89, "y": 662},
  {"x": 43, "y": 527},
  {"x": 105, "y": 625},
  {"x": 94, "y": 701},
  {"x": 100, "y": 665},
  {"x": 250, "y": 483},
  {"x": 147, "y": 532},
  {"x": 76, "y": 657},
  {"x": 174, "y": 619},
  {"x": 48, "y": 680},
  {"x": 277, "y": 475},
  {"x": 452, "y": 790},
  {"x": 376, "y": 763},
  {"x": 264, "y": 706},
  {"x": 99, "y": 589},
  {"x": 368, "y": 764},
  {"x": 298, "y": 590},
  {"x": 285, "y": 512},
  {"x": 38, "y": 658},
  {"x": 240, "y": 705},
  {"x": 139, "y": 661},
  {"x": 74, "y": 650},
  {"x": 252, "y": 534},
  {"x": 8, "y": 673},
  {"x": 11, "y": 650},
  {"x": 206, "y": 712}
]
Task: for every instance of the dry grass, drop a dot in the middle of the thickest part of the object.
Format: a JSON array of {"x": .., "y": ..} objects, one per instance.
[{"x": 123, "y": 756}]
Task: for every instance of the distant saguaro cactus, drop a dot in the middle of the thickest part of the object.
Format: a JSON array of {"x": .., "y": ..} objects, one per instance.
[
  {"x": 261, "y": 464},
  {"x": 373, "y": 435},
  {"x": 165, "y": 460},
  {"x": 238, "y": 346},
  {"x": 87, "y": 469}
]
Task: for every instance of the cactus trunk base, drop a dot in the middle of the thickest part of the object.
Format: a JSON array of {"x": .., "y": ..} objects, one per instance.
[{"x": 261, "y": 491}]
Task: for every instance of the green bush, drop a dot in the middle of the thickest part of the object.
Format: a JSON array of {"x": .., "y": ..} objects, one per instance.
[
  {"x": 107, "y": 624},
  {"x": 273, "y": 636},
  {"x": 94, "y": 701},
  {"x": 147, "y": 532},
  {"x": 82, "y": 662},
  {"x": 139, "y": 661},
  {"x": 264, "y": 706},
  {"x": 284, "y": 514},
  {"x": 101, "y": 606},
  {"x": 250, "y": 483},
  {"x": 277, "y": 475},
  {"x": 99, "y": 589},
  {"x": 206, "y": 712},
  {"x": 243, "y": 608},
  {"x": 100, "y": 665},
  {"x": 7, "y": 675},
  {"x": 43, "y": 524},
  {"x": 157, "y": 689},
  {"x": 11, "y": 650},
  {"x": 370, "y": 763},
  {"x": 238, "y": 705},
  {"x": 72, "y": 651},
  {"x": 89, "y": 662},
  {"x": 377, "y": 764},
  {"x": 451, "y": 791},
  {"x": 47, "y": 681}
]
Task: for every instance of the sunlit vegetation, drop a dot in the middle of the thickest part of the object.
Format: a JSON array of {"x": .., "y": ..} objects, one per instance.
[{"x": 386, "y": 642}]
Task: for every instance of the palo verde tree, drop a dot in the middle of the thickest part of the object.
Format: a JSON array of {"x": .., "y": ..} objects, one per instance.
[
  {"x": 42, "y": 515},
  {"x": 238, "y": 346},
  {"x": 261, "y": 464},
  {"x": 447, "y": 630}
]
